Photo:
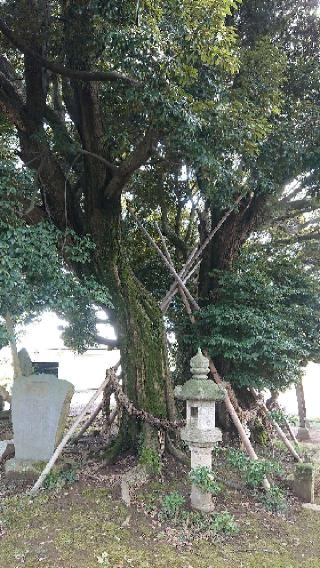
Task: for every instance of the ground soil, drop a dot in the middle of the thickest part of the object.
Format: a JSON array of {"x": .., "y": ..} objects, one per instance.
[{"x": 84, "y": 524}]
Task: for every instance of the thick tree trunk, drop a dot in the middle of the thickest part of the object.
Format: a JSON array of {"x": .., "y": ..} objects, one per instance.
[{"x": 139, "y": 325}]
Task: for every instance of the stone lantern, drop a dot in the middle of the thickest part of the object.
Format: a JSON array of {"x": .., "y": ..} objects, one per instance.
[{"x": 200, "y": 432}]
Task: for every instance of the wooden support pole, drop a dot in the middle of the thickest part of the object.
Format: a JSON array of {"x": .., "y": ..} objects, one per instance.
[
  {"x": 182, "y": 294},
  {"x": 174, "y": 290},
  {"x": 70, "y": 432},
  {"x": 197, "y": 253},
  {"x": 90, "y": 420},
  {"x": 165, "y": 260},
  {"x": 276, "y": 426}
]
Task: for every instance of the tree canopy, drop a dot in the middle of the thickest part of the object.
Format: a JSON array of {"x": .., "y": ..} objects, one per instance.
[{"x": 178, "y": 108}]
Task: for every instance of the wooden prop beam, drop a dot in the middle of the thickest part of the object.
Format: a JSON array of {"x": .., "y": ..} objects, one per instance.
[
  {"x": 197, "y": 253},
  {"x": 276, "y": 426},
  {"x": 165, "y": 260}
]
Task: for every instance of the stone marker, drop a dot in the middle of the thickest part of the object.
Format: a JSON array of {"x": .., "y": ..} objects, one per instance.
[
  {"x": 200, "y": 432},
  {"x": 25, "y": 363},
  {"x": 303, "y": 486},
  {"x": 311, "y": 507},
  {"x": 6, "y": 449},
  {"x": 40, "y": 406}
]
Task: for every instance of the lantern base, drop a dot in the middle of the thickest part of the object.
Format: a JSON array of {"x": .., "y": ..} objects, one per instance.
[{"x": 200, "y": 501}]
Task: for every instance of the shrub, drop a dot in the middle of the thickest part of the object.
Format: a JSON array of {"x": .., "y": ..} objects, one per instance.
[
  {"x": 172, "y": 504},
  {"x": 274, "y": 500},
  {"x": 59, "y": 479},
  {"x": 204, "y": 478}
]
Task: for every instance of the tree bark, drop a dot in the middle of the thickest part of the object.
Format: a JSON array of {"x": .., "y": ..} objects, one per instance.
[{"x": 140, "y": 328}]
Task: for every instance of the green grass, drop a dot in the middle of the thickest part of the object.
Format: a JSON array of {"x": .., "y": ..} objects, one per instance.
[{"x": 84, "y": 528}]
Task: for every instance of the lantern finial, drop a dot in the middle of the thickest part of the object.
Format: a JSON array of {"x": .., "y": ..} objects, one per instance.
[{"x": 199, "y": 366}]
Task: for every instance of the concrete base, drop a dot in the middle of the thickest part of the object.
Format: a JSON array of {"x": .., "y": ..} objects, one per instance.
[
  {"x": 303, "y": 435},
  {"x": 23, "y": 469},
  {"x": 201, "y": 501}
]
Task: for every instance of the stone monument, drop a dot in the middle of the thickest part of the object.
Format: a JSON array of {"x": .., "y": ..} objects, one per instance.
[
  {"x": 40, "y": 406},
  {"x": 304, "y": 478},
  {"x": 200, "y": 432}
]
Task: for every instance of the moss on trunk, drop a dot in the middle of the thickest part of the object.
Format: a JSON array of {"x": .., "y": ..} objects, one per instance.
[{"x": 140, "y": 329}]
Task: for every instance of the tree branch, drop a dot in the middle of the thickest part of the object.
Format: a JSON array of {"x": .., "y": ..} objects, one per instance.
[
  {"x": 109, "y": 342},
  {"x": 299, "y": 238},
  {"x": 59, "y": 69},
  {"x": 137, "y": 158}
]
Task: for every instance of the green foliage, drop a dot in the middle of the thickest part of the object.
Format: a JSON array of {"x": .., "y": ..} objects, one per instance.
[
  {"x": 204, "y": 479},
  {"x": 33, "y": 273},
  {"x": 224, "y": 523},
  {"x": 274, "y": 500},
  {"x": 150, "y": 458},
  {"x": 265, "y": 321},
  {"x": 254, "y": 470},
  {"x": 194, "y": 524},
  {"x": 60, "y": 479},
  {"x": 172, "y": 505}
]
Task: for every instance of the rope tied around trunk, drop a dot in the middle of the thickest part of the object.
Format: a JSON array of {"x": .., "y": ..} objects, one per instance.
[{"x": 132, "y": 410}]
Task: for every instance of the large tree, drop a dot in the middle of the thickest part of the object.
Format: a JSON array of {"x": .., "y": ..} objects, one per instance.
[
  {"x": 166, "y": 103},
  {"x": 94, "y": 89}
]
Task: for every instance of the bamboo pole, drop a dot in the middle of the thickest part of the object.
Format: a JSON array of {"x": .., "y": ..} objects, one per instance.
[
  {"x": 165, "y": 260},
  {"x": 276, "y": 426},
  {"x": 198, "y": 251},
  {"x": 70, "y": 432}
]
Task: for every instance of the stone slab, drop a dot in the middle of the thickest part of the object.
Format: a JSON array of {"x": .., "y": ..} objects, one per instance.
[
  {"x": 23, "y": 469},
  {"x": 25, "y": 362},
  {"x": 6, "y": 449},
  {"x": 40, "y": 406},
  {"x": 311, "y": 507},
  {"x": 303, "y": 486}
]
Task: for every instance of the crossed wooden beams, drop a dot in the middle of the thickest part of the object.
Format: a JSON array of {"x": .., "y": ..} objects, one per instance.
[{"x": 191, "y": 306}]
